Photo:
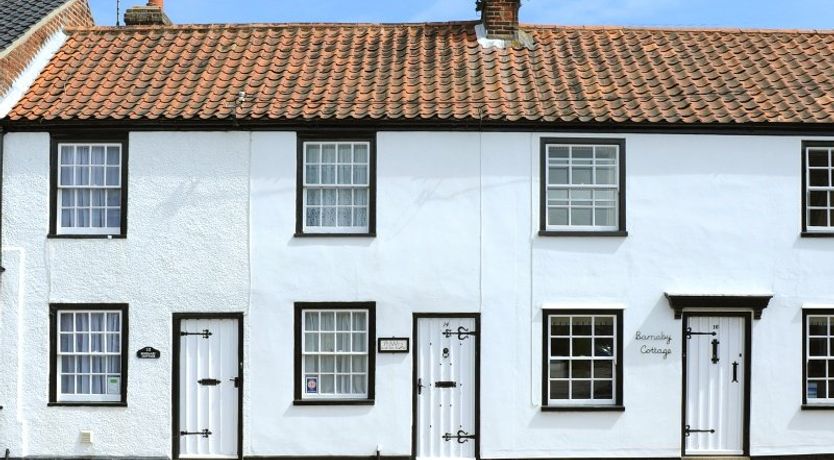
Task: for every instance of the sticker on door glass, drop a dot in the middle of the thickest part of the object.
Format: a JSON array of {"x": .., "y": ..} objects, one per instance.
[
  {"x": 114, "y": 385},
  {"x": 312, "y": 385}
]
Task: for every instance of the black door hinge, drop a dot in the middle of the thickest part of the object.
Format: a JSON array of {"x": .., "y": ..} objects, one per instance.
[
  {"x": 204, "y": 433},
  {"x": 462, "y": 333},
  {"x": 209, "y": 382},
  {"x": 461, "y": 437},
  {"x": 687, "y": 431},
  {"x": 205, "y": 333},
  {"x": 690, "y": 333},
  {"x": 445, "y": 384}
]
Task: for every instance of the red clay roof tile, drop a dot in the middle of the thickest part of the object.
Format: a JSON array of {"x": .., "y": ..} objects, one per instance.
[{"x": 436, "y": 71}]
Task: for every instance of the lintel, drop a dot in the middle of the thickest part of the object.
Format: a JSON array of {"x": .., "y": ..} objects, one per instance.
[{"x": 706, "y": 302}]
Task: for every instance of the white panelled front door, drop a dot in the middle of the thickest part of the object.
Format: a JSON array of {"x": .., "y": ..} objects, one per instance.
[
  {"x": 209, "y": 381},
  {"x": 446, "y": 388},
  {"x": 714, "y": 421}
]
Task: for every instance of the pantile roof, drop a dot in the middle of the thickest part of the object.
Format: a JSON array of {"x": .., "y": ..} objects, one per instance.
[
  {"x": 18, "y": 16},
  {"x": 436, "y": 72}
]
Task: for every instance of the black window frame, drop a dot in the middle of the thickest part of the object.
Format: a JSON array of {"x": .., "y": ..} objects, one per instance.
[
  {"x": 69, "y": 138},
  {"x": 54, "y": 309},
  {"x": 303, "y": 138},
  {"x": 617, "y": 406},
  {"x": 298, "y": 362},
  {"x": 806, "y": 312},
  {"x": 621, "y": 201},
  {"x": 805, "y": 233}
]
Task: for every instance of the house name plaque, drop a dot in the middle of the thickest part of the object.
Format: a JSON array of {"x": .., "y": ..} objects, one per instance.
[{"x": 392, "y": 345}]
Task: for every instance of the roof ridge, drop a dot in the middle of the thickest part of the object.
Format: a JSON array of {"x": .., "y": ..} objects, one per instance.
[
  {"x": 680, "y": 29},
  {"x": 267, "y": 25},
  {"x": 592, "y": 28}
]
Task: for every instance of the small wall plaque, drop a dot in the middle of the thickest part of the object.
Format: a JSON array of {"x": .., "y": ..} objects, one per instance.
[
  {"x": 392, "y": 345},
  {"x": 148, "y": 353}
]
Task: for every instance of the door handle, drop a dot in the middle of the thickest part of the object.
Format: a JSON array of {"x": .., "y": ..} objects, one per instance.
[
  {"x": 735, "y": 372},
  {"x": 715, "y": 343},
  {"x": 420, "y": 386},
  {"x": 236, "y": 380}
]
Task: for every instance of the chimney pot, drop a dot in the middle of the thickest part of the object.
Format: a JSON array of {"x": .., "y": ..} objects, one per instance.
[
  {"x": 150, "y": 15},
  {"x": 159, "y": 3},
  {"x": 500, "y": 18}
]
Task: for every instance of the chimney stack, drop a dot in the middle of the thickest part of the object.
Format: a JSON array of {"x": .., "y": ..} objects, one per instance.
[
  {"x": 150, "y": 15},
  {"x": 500, "y": 18}
]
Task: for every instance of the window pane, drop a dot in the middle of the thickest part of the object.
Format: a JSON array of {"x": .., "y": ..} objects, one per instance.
[
  {"x": 82, "y": 156},
  {"x": 360, "y": 153},
  {"x": 311, "y": 175},
  {"x": 558, "y": 176},
  {"x": 580, "y": 217},
  {"x": 603, "y": 369},
  {"x": 67, "y": 176},
  {"x": 818, "y": 347},
  {"x": 819, "y": 178},
  {"x": 581, "y": 369},
  {"x": 360, "y": 175},
  {"x": 559, "y": 389},
  {"x": 817, "y": 389},
  {"x": 583, "y": 152},
  {"x": 311, "y": 342},
  {"x": 66, "y": 343},
  {"x": 342, "y": 342},
  {"x": 113, "y": 176},
  {"x": 818, "y": 218},
  {"x": 817, "y": 157},
  {"x": 311, "y": 364},
  {"x": 311, "y": 321},
  {"x": 360, "y": 217},
  {"x": 328, "y": 153},
  {"x": 816, "y": 368},
  {"x": 67, "y": 364},
  {"x": 82, "y": 176},
  {"x": 558, "y": 152},
  {"x": 359, "y": 321},
  {"x": 68, "y": 384},
  {"x": 97, "y": 157},
  {"x": 328, "y": 343},
  {"x": 559, "y": 369},
  {"x": 360, "y": 342},
  {"x": 582, "y": 347},
  {"x": 604, "y": 217},
  {"x": 328, "y": 321},
  {"x": 327, "y": 385},
  {"x": 313, "y": 153},
  {"x": 603, "y": 325},
  {"x": 560, "y": 347},
  {"x": 114, "y": 198},
  {"x": 345, "y": 217},
  {"x": 329, "y": 217},
  {"x": 604, "y": 347},
  {"x": 343, "y": 321},
  {"x": 345, "y": 174},
  {"x": 345, "y": 153},
  {"x": 66, "y": 322},
  {"x": 560, "y": 325},
  {"x": 343, "y": 385},
  {"x": 603, "y": 389},
  {"x": 818, "y": 199},
  {"x": 581, "y": 325},
  {"x": 581, "y": 389},
  {"x": 114, "y": 364},
  {"x": 557, "y": 217},
  {"x": 360, "y": 384},
  {"x": 97, "y": 343},
  {"x": 343, "y": 364},
  {"x": 328, "y": 364},
  {"x": 606, "y": 176},
  {"x": 114, "y": 156},
  {"x": 359, "y": 364},
  {"x": 818, "y": 325},
  {"x": 313, "y": 217},
  {"x": 67, "y": 154}
]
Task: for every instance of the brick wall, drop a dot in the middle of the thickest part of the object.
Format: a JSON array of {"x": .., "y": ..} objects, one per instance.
[
  {"x": 14, "y": 59},
  {"x": 500, "y": 17}
]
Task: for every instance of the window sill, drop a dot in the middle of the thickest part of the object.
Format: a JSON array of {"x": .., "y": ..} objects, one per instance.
[
  {"x": 817, "y": 234},
  {"x": 335, "y": 235},
  {"x": 818, "y": 407},
  {"x": 333, "y": 402},
  {"x": 53, "y": 236},
  {"x": 583, "y": 408},
  {"x": 87, "y": 404},
  {"x": 607, "y": 234}
]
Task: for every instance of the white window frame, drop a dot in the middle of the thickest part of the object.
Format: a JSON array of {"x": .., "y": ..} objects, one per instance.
[
  {"x": 335, "y": 396},
  {"x": 614, "y": 358},
  {"x": 308, "y": 186},
  {"x": 59, "y": 354},
  {"x": 90, "y": 230},
  {"x": 829, "y": 190},
  {"x": 829, "y": 338},
  {"x": 593, "y": 187}
]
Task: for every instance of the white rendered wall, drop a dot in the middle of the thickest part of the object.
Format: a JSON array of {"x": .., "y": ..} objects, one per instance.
[
  {"x": 457, "y": 217},
  {"x": 186, "y": 250}
]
